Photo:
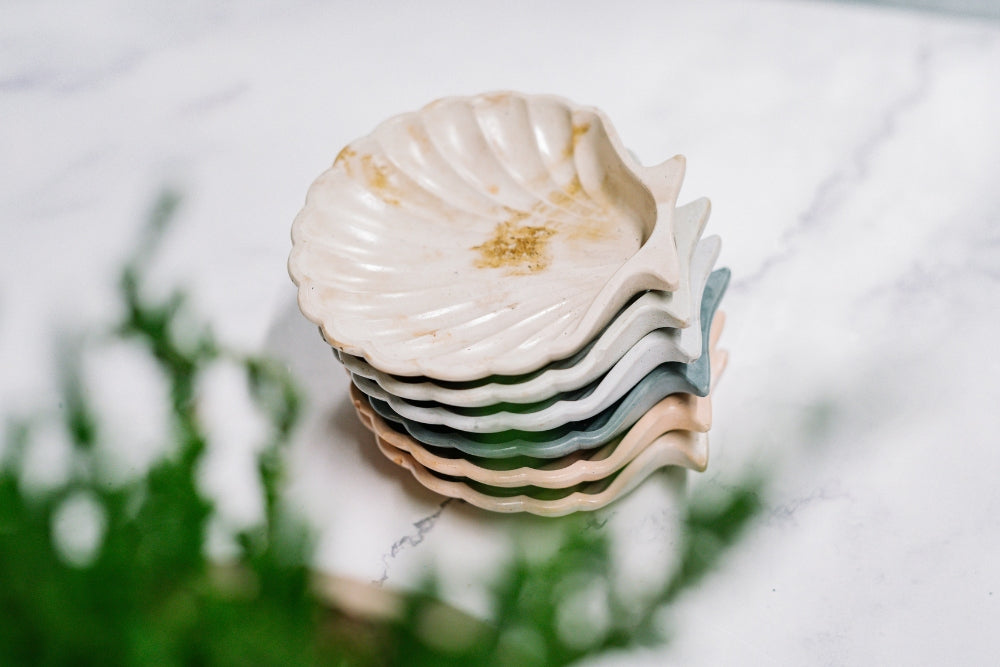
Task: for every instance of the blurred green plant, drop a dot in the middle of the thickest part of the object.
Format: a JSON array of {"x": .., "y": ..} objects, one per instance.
[
  {"x": 530, "y": 624},
  {"x": 147, "y": 593}
]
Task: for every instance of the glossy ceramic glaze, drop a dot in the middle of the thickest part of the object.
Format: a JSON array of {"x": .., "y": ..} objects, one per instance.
[
  {"x": 482, "y": 235},
  {"x": 546, "y": 444},
  {"x": 611, "y": 347},
  {"x": 676, "y": 448},
  {"x": 675, "y": 412}
]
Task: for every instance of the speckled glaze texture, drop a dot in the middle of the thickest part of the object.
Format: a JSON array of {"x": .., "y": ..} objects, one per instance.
[
  {"x": 568, "y": 438},
  {"x": 530, "y": 224},
  {"x": 624, "y": 340}
]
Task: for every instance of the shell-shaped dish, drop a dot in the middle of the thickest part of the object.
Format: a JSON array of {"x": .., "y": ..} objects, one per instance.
[
  {"x": 482, "y": 235},
  {"x": 558, "y": 443},
  {"x": 639, "y": 382},
  {"x": 561, "y": 441},
  {"x": 675, "y": 412},
  {"x": 612, "y": 346},
  {"x": 687, "y": 449},
  {"x": 643, "y": 365}
]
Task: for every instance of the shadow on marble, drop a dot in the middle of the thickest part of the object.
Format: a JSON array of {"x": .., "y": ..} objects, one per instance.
[{"x": 329, "y": 421}]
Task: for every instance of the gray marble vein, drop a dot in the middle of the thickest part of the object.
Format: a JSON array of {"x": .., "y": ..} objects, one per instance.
[
  {"x": 833, "y": 188},
  {"x": 410, "y": 541}
]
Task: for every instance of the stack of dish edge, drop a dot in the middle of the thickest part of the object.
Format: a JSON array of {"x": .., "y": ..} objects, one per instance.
[{"x": 528, "y": 320}]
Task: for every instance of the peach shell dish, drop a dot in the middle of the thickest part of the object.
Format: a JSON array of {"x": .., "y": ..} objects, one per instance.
[
  {"x": 484, "y": 235},
  {"x": 676, "y": 448}
]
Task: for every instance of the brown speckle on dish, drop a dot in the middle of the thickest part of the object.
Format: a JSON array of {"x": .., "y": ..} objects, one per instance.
[{"x": 521, "y": 249}]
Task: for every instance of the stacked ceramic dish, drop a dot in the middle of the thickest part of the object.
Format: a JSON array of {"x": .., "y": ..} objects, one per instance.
[{"x": 527, "y": 317}]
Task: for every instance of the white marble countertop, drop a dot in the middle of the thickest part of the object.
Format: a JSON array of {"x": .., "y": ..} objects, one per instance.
[{"x": 852, "y": 157}]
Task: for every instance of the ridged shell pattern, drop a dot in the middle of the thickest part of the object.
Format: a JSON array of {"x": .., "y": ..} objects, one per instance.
[
  {"x": 482, "y": 235},
  {"x": 614, "y": 342},
  {"x": 647, "y": 375},
  {"x": 529, "y": 320}
]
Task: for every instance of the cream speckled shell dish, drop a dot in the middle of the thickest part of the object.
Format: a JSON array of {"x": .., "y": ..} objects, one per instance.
[
  {"x": 646, "y": 324},
  {"x": 484, "y": 235},
  {"x": 528, "y": 320}
]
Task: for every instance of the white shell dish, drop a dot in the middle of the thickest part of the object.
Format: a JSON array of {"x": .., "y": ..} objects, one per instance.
[
  {"x": 624, "y": 343},
  {"x": 480, "y": 236},
  {"x": 671, "y": 343}
]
